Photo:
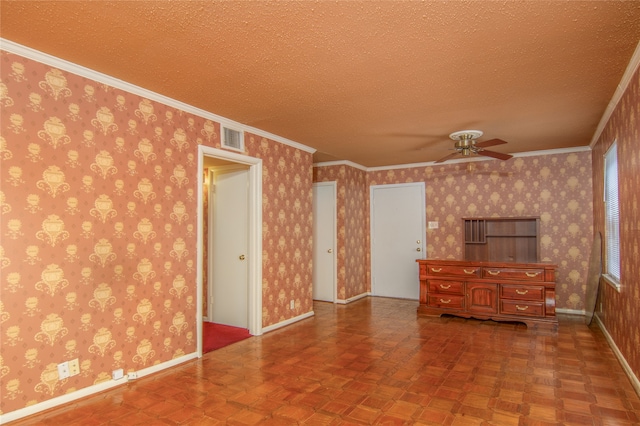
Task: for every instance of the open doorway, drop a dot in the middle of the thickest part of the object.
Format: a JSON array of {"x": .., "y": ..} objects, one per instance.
[{"x": 250, "y": 169}]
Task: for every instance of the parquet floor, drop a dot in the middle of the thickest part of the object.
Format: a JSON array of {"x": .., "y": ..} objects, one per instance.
[{"x": 375, "y": 362}]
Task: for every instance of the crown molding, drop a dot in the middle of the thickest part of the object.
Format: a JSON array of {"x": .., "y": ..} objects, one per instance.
[
  {"x": 45, "y": 58},
  {"x": 341, "y": 163},
  {"x": 558, "y": 151},
  {"x": 53, "y": 61},
  {"x": 617, "y": 95}
]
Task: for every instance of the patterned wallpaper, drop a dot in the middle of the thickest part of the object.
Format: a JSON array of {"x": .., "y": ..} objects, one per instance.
[
  {"x": 557, "y": 188},
  {"x": 352, "y": 224},
  {"x": 621, "y": 310},
  {"x": 98, "y": 208},
  {"x": 287, "y": 228}
]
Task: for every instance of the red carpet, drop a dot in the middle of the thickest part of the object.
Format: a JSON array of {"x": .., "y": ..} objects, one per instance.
[{"x": 216, "y": 336}]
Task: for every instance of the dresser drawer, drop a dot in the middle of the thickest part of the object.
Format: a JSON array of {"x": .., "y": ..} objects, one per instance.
[
  {"x": 446, "y": 287},
  {"x": 523, "y": 307},
  {"x": 451, "y": 301},
  {"x": 453, "y": 271},
  {"x": 513, "y": 274},
  {"x": 522, "y": 292}
]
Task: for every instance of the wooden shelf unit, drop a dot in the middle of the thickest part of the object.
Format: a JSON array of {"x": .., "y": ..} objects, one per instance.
[{"x": 493, "y": 239}]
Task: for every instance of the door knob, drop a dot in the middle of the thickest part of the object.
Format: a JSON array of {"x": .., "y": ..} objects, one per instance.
[
  {"x": 330, "y": 251},
  {"x": 241, "y": 257},
  {"x": 418, "y": 249}
]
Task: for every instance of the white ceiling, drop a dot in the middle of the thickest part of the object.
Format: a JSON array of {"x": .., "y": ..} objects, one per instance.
[{"x": 373, "y": 82}]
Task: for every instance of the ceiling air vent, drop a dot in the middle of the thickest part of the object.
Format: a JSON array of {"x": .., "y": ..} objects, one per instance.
[{"x": 233, "y": 139}]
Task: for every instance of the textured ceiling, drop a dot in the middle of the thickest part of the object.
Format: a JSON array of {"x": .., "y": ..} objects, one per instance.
[{"x": 377, "y": 83}]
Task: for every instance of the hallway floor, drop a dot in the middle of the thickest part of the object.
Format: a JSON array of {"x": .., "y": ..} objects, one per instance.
[{"x": 375, "y": 362}]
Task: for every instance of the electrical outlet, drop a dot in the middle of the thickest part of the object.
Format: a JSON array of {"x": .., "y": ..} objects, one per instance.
[
  {"x": 292, "y": 304},
  {"x": 74, "y": 367},
  {"x": 63, "y": 370},
  {"x": 132, "y": 375},
  {"x": 117, "y": 374}
]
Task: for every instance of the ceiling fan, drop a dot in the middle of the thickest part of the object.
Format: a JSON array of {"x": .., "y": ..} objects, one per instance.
[{"x": 467, "y": 145}]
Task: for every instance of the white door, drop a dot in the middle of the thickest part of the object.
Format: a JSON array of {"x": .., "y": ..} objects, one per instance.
[
  {"x": 324, "y": 241},
  {"x": 397, "y": 239},
  {"x": 229, "y": 246}
]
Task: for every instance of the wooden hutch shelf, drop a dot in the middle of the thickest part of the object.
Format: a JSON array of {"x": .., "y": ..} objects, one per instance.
[
  {"x": 502, "y": 239},
  {"x": 501, "y": 277}
]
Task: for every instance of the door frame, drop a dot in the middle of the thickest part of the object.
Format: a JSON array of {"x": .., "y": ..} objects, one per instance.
[
  {"x": 423, "y": 217},
  {"x": 334, "y": 186},
  {"x": 255, "y": 237}
]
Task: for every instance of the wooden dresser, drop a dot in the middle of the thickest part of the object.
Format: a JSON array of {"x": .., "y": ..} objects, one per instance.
[{"x": 523, "y": 292}]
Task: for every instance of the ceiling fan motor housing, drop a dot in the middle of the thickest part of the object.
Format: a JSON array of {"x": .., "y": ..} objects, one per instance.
[{"x": 466, "y": 141}]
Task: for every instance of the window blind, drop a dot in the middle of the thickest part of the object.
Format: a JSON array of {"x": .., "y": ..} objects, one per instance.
[{"x": 612, "y": 212}]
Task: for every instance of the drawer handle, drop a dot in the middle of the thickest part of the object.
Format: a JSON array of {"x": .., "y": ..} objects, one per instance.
[
  {"x": 522, "y": 308},
  {"x": 494, "y": 273},
  {"x": 522, "y": 291},
  {"x": 445, "y": 301},
  {"x": 445, "y": 287},
  {"x": 436, "y": 270},
  {"x": 532, "y": 274},
  {"x": 473, "y": 271}
]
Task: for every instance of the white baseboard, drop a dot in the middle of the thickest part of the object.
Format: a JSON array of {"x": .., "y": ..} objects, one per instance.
[
  {"x": 353, "y": 299},
  {"x": 625, "y": 366},
  {"x": 571, "y": 311},
  {"x": 90, "y": 390},
  {"x": 288, "y": 322}
]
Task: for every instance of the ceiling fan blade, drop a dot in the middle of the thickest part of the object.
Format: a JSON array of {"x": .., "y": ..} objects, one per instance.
[
  {"x": 498, "y": 155},
  {"x": 490, "y": 142},
  {"x": 447, "y": 157}
]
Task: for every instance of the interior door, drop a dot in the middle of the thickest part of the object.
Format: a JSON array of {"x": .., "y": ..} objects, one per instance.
[
  {"x": 397, "y": 239},
  {"x": 229, "y": 246},
  {"x": 324, "y": 241}
]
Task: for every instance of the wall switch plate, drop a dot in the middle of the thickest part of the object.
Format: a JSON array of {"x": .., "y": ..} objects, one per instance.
[
  {"x": 74, "y": 367},
  {"x": 433, "y": 225},
  {"x": 63, "y": 370},
  {"x": 117, "y": 374},
  {"x": 292, "y": 304}
]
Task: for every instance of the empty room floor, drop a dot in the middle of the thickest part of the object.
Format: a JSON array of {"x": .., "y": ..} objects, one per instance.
[{"x": 375, "y": 362}]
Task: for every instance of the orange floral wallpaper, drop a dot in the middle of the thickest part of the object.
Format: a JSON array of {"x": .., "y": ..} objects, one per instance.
[
  {"x": 287, "y": 228},
  {"x": 556, "y": 187},
  {"x": 352, "y": 208},
  {"x": 98, "y": 207},
  {"x": 621, "y": 310}
]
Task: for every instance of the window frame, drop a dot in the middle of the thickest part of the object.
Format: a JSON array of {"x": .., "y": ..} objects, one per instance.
[{"x": 612, "y": 271}]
